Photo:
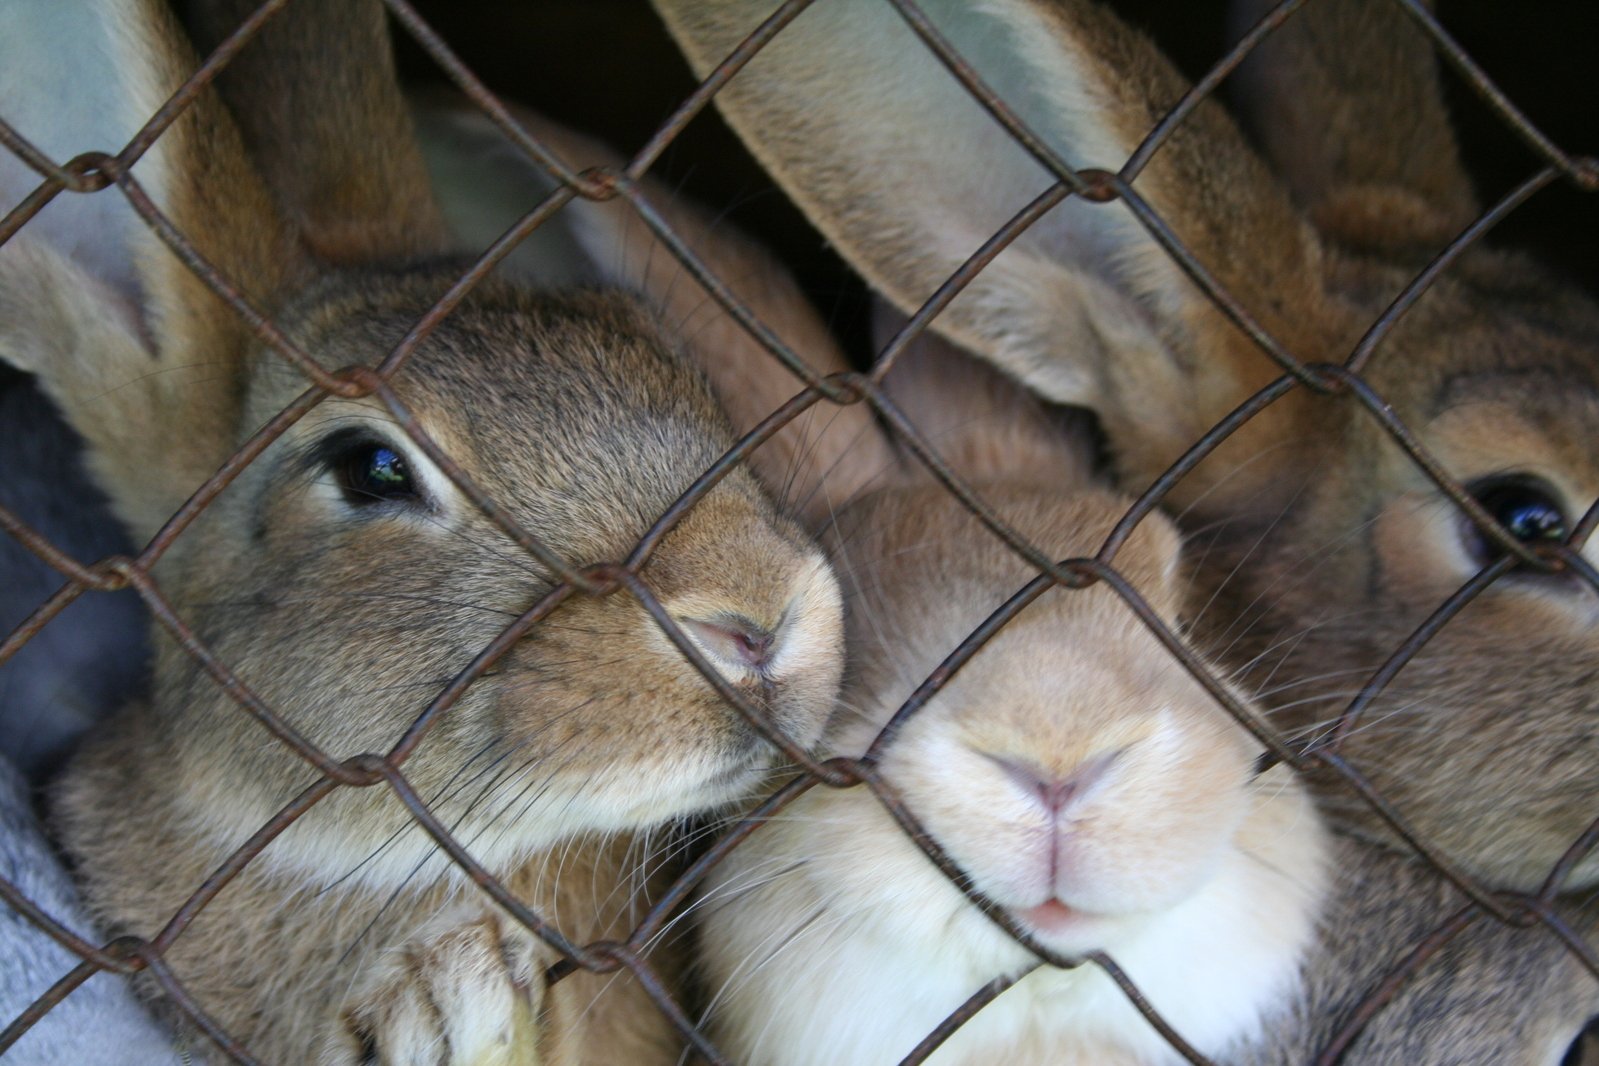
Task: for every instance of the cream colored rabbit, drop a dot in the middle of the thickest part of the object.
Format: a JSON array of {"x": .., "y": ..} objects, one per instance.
[
  {"x": 1264, "y": 963},
  {"x": 1319, "y": 545},
  {"x": 345, "y": 579},
  {"x": 1079, "y": 776}
]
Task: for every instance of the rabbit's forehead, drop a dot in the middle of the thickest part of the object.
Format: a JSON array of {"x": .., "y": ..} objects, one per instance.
[
  {"x": 559, "y": 392},
  {"x": 503, "y": 347},
  {"x": 1490, "y": 388},
  {"x": 1537, "y": 424},
  {"x": 1482, "y": 339}
]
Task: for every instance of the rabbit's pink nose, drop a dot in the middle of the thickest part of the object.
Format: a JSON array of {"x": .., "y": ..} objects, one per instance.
[
  {"x": 732, "y": 639},
  {"x": 1056, "y": 792}
]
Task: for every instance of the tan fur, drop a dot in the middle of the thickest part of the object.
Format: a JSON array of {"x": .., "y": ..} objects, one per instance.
[
  {"x": 573, "y": 411},
  {"x": 882, "y": 163},
  {"x": 81, "y": 339},
  {"x": 282, "y": 980},
  {"x": 630, "y": 732},
  {"x": 1320, "y": 545},
  {"x": 814, "y": 462}
]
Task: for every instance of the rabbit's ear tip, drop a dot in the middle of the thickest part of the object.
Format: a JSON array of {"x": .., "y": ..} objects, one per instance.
[{"x": 1383, "y": 219}]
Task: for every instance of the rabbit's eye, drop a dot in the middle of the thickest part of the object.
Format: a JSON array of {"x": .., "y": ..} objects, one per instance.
[
  {"x": 372, "y": 473},
  {"x": 1529, "y": 508}
]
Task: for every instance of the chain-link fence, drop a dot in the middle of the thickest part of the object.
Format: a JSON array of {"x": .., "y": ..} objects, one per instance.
[{"x": 1366, "y": 789}]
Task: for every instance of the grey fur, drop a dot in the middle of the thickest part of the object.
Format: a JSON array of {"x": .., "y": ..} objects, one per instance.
[
  {"x": 100, "y": 1023},
  {"x": 1496, "y": 995}
]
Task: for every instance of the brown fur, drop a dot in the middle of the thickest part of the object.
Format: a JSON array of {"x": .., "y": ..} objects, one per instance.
[
  {"x": 326, "y": 173},
  {"x": 1330, "y": 75},
  {"x": 1320, "y": 545},
  {"x": 574, "y": 412}
]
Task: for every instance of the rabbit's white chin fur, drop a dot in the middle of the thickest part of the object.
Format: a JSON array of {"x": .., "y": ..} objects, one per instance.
[{"x": 886, "y": 950}]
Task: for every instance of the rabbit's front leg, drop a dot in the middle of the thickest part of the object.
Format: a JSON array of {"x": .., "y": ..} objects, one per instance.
[{"x": 464, "y": 991}]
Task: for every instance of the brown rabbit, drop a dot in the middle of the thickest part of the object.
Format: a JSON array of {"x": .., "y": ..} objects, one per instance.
[
  {"x": 1497, "y": 995},
  {"x": 345, "y": 579},
  {"x": 1320, "y": 545}
]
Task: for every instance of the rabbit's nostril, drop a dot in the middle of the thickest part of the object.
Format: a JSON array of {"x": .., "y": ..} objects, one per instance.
[
  {"x": 732, "y": 639},
  {"x": 1055, "y": 791}
]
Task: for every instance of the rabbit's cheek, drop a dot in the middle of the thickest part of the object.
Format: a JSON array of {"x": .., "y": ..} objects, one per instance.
[
  {"x": 1427, "y": 549},
  {"x": 1147, "y": 861},
  {"x": 1526, "y": 752},
  {"x": 656, "y": 739},
  {"x": 855, "y": 857}
]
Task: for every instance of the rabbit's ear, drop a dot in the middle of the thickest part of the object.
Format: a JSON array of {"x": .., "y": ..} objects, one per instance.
[
  {"x": 1346, "y": 98},
  {"x": 822, "y": 459},
  {"x": 121, "y": 334},
  {"x": 316, "y": 96},
  {"x": 899, "y": 166},
  {"x": 986, "y": 427}
]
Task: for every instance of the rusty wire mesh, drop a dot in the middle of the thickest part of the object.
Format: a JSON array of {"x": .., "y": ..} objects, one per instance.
[{"x": 107, "y": 172}]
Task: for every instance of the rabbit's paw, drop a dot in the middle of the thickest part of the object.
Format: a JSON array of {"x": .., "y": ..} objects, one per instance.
[{"x": 460, "y": 993}]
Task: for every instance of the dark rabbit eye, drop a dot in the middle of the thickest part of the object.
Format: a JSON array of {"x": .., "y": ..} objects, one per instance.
[
  {"x": 1529, "y": 508},
  {"x": 371, "y": 472}
]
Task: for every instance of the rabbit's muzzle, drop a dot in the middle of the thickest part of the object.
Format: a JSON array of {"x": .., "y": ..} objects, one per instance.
[{"x": 656, "y": 739}]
